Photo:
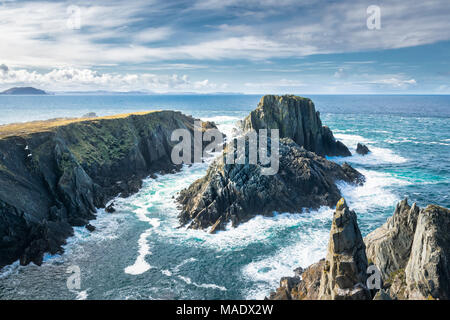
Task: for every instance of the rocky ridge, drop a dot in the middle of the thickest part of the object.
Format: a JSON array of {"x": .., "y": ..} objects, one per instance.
[
  {"x": 238, "y": 192},
  {"x": 305, "y": 179}
]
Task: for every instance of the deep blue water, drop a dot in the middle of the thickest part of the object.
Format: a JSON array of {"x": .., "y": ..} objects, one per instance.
[{"x": 138, "y": 253}]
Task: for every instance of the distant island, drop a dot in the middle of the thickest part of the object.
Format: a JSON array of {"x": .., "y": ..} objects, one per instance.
[{"x": 23, "y": 90}]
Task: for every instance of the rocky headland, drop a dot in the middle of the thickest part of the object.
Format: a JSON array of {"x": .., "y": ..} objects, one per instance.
[
  {"x": 24, "y": 91},
  {"x": 411, "y": 251},
  {"x": 54, "y": 174},
  {"x": 305, "y": 179}
]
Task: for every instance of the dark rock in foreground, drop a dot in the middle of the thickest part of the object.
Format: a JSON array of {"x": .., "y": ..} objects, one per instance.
[
  {"x": 54, "y": 175},
  {"x": 362, "y": 149},
  {"x": 296, "y": 118},
  {"x": 237, "y": 192}
]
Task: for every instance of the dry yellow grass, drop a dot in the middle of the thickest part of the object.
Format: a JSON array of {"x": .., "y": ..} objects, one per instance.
[{"x": 26, "y": 128}]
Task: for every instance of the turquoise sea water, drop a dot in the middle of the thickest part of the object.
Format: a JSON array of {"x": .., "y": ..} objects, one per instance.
[{"x": 138, "y": 253}]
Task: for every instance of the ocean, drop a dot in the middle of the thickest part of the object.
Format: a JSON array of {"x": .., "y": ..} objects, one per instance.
[{"x": 138, "y": 252}]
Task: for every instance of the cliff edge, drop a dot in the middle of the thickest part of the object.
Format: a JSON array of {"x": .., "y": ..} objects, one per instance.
[{"x": 54, "y": 174}]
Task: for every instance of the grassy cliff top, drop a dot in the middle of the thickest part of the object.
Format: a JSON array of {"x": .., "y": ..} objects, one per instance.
[{"x": 26, "y": 128}]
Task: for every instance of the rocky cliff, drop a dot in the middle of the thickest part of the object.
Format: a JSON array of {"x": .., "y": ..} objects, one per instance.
[
  {"x": 342, "y": 274},
  {"x": 411, "y": 251},
  {"x": 296, "y": 118},
  {"x": 54, "y": 174},
  {"x": 237, "y": 192}
]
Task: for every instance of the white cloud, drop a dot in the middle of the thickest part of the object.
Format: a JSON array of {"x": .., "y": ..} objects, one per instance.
[
  {"x": 153, "y": 34},
  {"x": 35, "y": 34},
  {"x": 394, "y": 82},
  {"x": 71, "y": 79}
]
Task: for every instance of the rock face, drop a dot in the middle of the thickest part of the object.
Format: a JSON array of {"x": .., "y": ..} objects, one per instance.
[
  {"x": 296, "y": 118},
  {"x": 411, "y": 251},
  {"x": 237, "y": 192},
  {"x": 428, "y": 269},
  {"x": 53, "y": 179},
  {"x": 362, "y": 149},
  {"x": 344, "y": 274},
  {"x": 389, "y": 246}
]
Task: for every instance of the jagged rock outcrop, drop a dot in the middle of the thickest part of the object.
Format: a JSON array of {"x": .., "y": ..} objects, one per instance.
[
  {"x": 237, "y": 192},
  {"x": 344, "y": 274},
  {"x": 362, "y": 149},
  {"x": 54, "y": 174},
  {"x": 389, "y": 246},
  {"x": 296, "y": 118},
  {"x": 427, "y": 273},
  {"x": 411, "y": 251}
]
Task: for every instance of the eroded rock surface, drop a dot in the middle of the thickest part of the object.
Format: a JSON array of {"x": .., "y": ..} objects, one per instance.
[
  {"x": 53, "y": 176},
  {"x": 389, "y": 246},
  {"x": 342, "y": 274},
  {"x": 237, "y": 192},
  {"x": 345, "y": 271},
  {"x": 296, "y": 118},
  {"x": 411, "y": 251}
]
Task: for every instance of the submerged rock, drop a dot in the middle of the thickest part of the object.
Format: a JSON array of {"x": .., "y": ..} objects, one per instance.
[
  {"x": 296, "y": 118},
  {"x": 362, "y": 149},
  {"x": 110, "y": 208},
  {"x": 237, "y": 192}
]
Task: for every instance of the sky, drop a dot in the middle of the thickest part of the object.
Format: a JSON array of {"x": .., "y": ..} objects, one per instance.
[{"x": 235, "y": 46}]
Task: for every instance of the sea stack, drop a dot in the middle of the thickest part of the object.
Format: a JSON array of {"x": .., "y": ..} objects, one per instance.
[
  {"x": 344, "y": 274},
  {"x": 296, "y": 118}
]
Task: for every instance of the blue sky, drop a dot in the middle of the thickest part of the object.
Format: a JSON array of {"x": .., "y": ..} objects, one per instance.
[{"x": 263, "y": 46}]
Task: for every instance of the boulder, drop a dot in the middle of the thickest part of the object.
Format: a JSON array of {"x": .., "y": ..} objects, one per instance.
[
  {"x": 110, "y": 208},
  {"x": 362, "y": 149},
  {"x": 296, "y": 118}
]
